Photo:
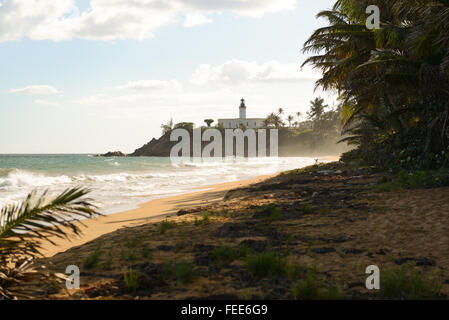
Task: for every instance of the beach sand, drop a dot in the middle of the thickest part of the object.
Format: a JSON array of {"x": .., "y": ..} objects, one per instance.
[{"x": 152, "y": 211}]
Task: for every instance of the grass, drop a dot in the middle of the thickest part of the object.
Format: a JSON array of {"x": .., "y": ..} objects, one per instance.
[
  {"x": 181, "y": 272},
  {"x": 223, "y": 255},
  {"x": 270, "y": 212},
  {"x": 311, "y": 288},
  {"x": 404, "y": 283},
  {"x": 266, "y": 264},
  {"x": 92, "y": 260},
  {"x": 146, "y": 252},
  {"x": 418, "y": 179},
  {"x": 164, "y": 226},
  {"x": 205, "y": 218},
  {"x": 132, "y": 281}
]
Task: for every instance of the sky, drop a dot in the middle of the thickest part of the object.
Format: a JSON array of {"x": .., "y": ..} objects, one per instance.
[{"x": 90, "y": 76}]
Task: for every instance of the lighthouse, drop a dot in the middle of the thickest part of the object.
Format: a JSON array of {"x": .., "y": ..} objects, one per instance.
[
  {"x": 242, "y": 109},
  {"x": 242, "y": 121}
]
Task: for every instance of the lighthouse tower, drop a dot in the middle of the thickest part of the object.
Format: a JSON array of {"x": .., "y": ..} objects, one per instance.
[{"x": 242, "y": 109}]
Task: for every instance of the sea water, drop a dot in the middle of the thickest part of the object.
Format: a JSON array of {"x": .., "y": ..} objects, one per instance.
[{"x": 121, "y": 183}]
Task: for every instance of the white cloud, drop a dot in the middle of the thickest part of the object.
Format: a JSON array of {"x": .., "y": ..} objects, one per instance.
[
  {"x": 237, "y": 71},
  {"x": 152, "y": 85},
  {"x": 117, "y": 19},
  {"x": 36, "y": 89},
  {"x": 46, "y": 103},
  {"x": 196, "y": 19}
]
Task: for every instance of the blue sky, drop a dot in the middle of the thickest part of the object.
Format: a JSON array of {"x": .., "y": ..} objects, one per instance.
[{"x": 89, "y": 77}]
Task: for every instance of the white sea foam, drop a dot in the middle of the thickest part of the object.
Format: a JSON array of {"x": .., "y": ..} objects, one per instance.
[{"x": 139, "y": 181}]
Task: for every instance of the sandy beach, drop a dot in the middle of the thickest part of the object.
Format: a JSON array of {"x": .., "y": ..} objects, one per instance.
[{"x": 152, "y": 211}]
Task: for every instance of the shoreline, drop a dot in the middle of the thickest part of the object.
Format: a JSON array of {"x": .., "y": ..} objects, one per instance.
[{"x": 151, "y": 211}]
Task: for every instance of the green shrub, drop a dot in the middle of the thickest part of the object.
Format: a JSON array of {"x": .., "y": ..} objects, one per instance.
[
  {"x": 406, "y": 284},
  {"x": 223, "y": 255},
  {"x": 266, "y": 264},
  {"x": 164, "y": 226},
  {"x": 182, "y": 272},
  {"x": 306, "y": 289},
  {"x": 92, "y": 260},
  {"x": 132, "y": 281}
]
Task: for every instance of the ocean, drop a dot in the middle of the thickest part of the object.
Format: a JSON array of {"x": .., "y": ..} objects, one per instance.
[{"x": 121, "y": 183}]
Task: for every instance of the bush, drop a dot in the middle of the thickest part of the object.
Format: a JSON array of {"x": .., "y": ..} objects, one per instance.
[
  {"x": 406, "y": 284},
  {"x": 223, "y": 255},
  {"x": 132, "y": 281},
  {"x": 165, "y": 225},
  {"x": 266, "y": 264},
  {"x": 181, "y": 272},
  {"x": 311, "y": 289},
  {"x": 92, "y": 260}
]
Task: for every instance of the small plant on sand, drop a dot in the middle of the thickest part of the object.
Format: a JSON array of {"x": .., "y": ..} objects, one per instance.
[
  {"x": 132, "y": 281},
  {"x": 404, "y": 283},
  {"x": 164, "y": 226},
  {"x": 311, "y": 288},
  {"x": 223, "y": 255},
  {"x": 266, "y": 264},
  {"x": 92, "y": 259},
  {"x": 307, "y": 289},
  {"x": 181, "y": 272},
  {"x": 270, "y": 212},
  {"x": 205, "y": 218},
  {"x": 146, "y": 252}
]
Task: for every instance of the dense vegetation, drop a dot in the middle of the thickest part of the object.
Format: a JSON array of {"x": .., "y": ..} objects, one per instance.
[{"x": 393, "y": 82}]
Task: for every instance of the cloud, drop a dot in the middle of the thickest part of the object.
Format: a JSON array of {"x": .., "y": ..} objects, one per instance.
[
  {"x": 196, "y": 19},
  {"x": 152, "y": 85},
  {"x": 237, "y": 71},
  {"x": 46, "y": 103},
  {"x": 36, "y": 89},
  {"x": 117, "y": 19}
]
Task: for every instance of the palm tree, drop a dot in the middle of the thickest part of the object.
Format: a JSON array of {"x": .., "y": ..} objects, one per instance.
[
  {"x": 290, "y": 118},
  {"x": 166, "y": 128},
  {"x": 400, "y": 71},
  {"x": 317, "y": 107},
  {"x": 209, "y": 122},
  {"x": 280, "y": 111},
  {"x": 23, "y": 229},
  {"x": 298, "y": 115}
]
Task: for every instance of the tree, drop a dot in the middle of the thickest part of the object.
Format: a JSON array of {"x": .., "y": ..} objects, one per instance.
[
  {"x": 290, "y": 118},
  {"x": 209, "y": 122},
  {"x": 273, "y": 120},
  {"x": 166, "y": 128},
  {"x": 317, "y": 107},
  {"x": 23, "y": 228},
  {"x": 396, "y": 76},
  {"x": 298, "y": 115},
  {"x": 280, "y": 111}
]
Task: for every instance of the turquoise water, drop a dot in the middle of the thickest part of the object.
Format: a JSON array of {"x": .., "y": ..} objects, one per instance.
[{"x": 119, "y": 182}]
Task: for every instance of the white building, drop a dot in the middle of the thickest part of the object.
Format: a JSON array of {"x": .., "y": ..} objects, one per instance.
[{"x": 250, "y": 123}]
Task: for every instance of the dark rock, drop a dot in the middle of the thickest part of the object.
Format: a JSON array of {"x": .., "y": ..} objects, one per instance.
[
  {"x": 182, "y": 212},
  {"x": 425, "y": 262},
  {"x": 355, "y": 284},
  {"x": 255, "y": 245},
  {"x": 323, "y": 250},
  {"x": 353, "y": 251},
  {"x": 113, "y": 154},
  {"x": 401, "y": 261},
  {"x": 381, "y": 252},
  {"x": 203, "y": 248},
  {"x": 446, "y": 281},
  {"x": 202, "y": 259},
  {"x": 230, "y": 230},
  {"x": 164, "y": 248}
]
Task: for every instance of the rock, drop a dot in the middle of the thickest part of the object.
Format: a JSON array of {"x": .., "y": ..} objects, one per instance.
[
  {"x": 164, "y": 248},
  {"x": 202, "y": 260},
  {"x": 230, "y": 230},
  {"x": 381, "y": 252},
  {"x": 401, "y": 261},
  {"x": 315, "y": 194},
  {"x": 255, "y": 245},
  {"x": 353, "y": 251},
  {"x": 425, "y": 262},
  {"x": 323, "y": 250},
  {"x": 113, "y": 154},
  {"x": 182, "y": 212}
]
